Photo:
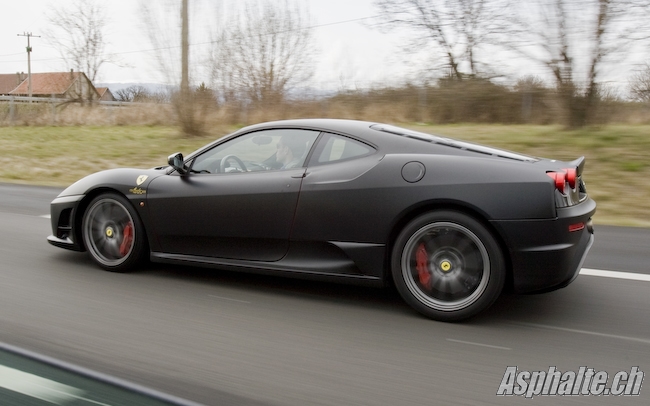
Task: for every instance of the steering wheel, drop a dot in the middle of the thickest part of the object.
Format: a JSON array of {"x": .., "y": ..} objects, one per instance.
[{"x": 224, "y": 160}]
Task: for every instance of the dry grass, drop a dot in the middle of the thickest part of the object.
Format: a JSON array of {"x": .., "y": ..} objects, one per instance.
[
  {"x": 617, "y": 167},
  {"x": 62, "y": 155}
]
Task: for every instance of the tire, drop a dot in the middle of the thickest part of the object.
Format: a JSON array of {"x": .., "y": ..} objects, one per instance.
[
  {"x": 113, "y": 233},
  {"x": 447, "y": 266}
]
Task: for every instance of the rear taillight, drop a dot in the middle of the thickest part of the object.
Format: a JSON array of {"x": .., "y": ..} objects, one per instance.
[
  {"x": 561, "y": 178},
  {"x": 576, "y": 227},
  {"x": 571, "y": 176}
]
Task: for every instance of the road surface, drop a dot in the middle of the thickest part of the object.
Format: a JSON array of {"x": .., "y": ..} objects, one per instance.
[{"x": 223, "y": 338}]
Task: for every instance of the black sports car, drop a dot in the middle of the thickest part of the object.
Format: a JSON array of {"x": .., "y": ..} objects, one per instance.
[{"x": 450, "y": 223}]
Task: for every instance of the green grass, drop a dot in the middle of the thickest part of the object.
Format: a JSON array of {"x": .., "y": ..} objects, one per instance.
[
  {"x": 617, "y": 170},
  {"x": 61, "y": 155}
]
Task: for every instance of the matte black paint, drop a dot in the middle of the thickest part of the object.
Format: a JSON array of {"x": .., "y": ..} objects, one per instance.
[{"x": 338, "y": 220}]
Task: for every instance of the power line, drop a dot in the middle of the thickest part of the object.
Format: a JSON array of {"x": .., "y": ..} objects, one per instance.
[
  {"x": 213, "y": 41},
  {"x": 18, "y": 53}
]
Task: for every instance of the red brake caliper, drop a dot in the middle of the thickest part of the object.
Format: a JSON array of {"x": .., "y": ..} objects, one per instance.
[
  {"x": 127, "y": 239},
  {"x": 422, "y": 259}
]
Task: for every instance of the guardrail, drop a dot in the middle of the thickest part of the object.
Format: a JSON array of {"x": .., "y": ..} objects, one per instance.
[{"x": 58, "y": 100}]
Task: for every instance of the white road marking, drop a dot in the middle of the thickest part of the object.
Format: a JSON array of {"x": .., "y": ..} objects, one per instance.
[
  {"x": 587, "y": 332},
  {"x": 40, "y": 388},
  {"x": 43, "y": 216},
  {"x": 615, "y": 274},
  {"x": 227, "y": 298},
  {"x": 479, "y": 344}
]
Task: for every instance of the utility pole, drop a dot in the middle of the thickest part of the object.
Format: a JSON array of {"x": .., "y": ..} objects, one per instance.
[
  {"x": 29, "y": 60},
  {"x": 186, "y": 107},
  {"x": 185, "y": 48}
]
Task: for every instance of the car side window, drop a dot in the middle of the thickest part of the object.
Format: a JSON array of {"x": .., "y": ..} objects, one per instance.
[
  {"x": 334, "y": 148},
  {"x": 257, "y": 151}
]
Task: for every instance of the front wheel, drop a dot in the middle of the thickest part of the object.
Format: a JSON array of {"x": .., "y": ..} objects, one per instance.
[
  {"x": 113, "y": 233},
  {"x": 447, "y": 266}
]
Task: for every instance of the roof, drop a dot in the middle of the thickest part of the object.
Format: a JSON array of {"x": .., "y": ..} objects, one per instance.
[
  {"x": 342, "y": 125},
  {"x": 8, "y": 82},
  {"x": 395, "y": 138},
  {"x": 49, "y": 83},
  {"x": 105, "y": 94}
]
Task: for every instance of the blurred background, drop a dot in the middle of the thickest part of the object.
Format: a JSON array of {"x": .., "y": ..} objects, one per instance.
[
  {"x": 568, "y": 62},
  {"x": 551, "y": 78},
  {"x": 125, "y": 83}
]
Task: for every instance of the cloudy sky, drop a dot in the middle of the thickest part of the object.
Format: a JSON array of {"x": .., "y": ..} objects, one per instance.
[{"x": 349, "y": 50}]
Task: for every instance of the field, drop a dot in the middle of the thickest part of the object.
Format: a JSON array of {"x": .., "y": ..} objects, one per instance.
[{"x": 617, "y": 168}]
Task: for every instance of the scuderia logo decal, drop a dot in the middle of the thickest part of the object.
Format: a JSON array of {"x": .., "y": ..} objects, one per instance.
[
  {"x": 141, "y": 179},
  {"x": 137, "y": 190}
]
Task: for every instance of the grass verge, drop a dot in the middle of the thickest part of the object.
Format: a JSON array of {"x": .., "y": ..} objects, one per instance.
[{"x": 617, "y": 167}]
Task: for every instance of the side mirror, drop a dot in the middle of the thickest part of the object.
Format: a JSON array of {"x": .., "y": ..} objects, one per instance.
[{"x": 176, "y": 162}]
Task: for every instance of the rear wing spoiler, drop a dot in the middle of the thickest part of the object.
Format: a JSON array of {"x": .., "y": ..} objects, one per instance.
[{"x": 578, "y": 163}]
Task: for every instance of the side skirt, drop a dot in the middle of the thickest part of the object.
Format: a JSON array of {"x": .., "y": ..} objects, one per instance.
[{"x": 336, "y": 270}]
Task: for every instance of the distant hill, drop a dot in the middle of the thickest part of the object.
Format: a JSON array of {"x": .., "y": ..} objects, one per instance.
[{"x": 151, "y": 87}]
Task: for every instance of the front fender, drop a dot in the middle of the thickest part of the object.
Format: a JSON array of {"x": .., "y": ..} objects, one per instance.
[
  {"x": 68, "y": 207},
  {"x": 128, "y": 181}
]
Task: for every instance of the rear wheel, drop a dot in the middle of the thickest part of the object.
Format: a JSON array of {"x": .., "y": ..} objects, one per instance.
[
  {"x": 113, "y": 233},
  {"x": 447, "y": 266}
]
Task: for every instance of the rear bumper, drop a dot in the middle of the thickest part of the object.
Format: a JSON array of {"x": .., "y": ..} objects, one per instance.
[{"x": 548, "y": 254}]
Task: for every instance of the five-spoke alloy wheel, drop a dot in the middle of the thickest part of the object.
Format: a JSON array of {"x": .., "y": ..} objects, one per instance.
[
  {"x": 112, "y": 233},
  {"x": 447, "y": 265}
]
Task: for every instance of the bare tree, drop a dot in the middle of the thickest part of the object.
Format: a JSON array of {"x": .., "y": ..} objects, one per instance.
[
  {"x": 574, "y": 41},
  {"x": 640, "y": 84},
  {"x": 136, "y": 93},
  {"x": 168, "y": 26},
  {"x": 174, "y": 29},
  {"x": 454, "y": 30},
  {"x": 161, "y": 22},
  {"x": 77, "y": 32},
  {"x": 263, "y": 53},
  {"x": 162, "y": 26}
]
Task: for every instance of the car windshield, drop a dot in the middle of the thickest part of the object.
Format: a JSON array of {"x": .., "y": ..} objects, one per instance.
[{"x": 258, "y": 151}]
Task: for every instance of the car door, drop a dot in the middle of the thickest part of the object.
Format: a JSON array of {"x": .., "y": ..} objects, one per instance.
[
  {"x": 336, "y": 201},
  {"x": 237, "y": 202}
]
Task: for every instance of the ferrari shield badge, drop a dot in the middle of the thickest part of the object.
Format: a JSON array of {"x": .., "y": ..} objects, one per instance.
[{"x": 141, "y": 179}]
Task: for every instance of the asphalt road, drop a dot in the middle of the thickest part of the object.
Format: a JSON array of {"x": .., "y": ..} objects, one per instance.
[{"x": 223, "y": 338}]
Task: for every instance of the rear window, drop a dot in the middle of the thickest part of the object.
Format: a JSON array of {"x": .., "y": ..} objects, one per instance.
[
  {"x": 449, "y": 142},
  {"x": 335, "y": 148}
]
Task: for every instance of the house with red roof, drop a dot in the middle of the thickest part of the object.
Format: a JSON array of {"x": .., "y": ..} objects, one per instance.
[{"x": 74, "y": 86}]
